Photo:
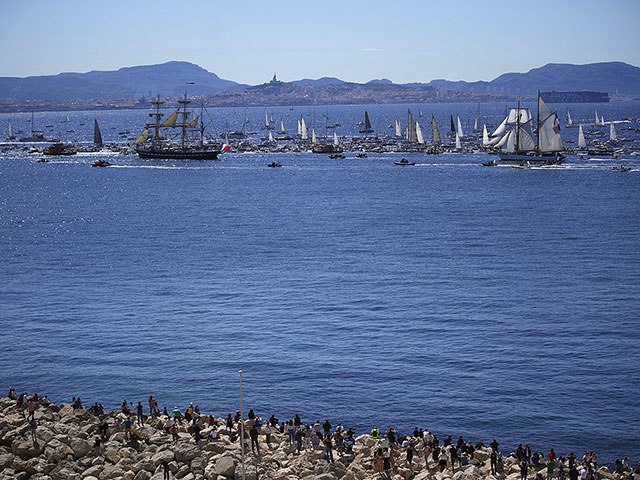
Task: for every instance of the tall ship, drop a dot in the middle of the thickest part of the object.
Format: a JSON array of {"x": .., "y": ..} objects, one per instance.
[
  {"x": 159, "y": 140},
  {"x": 522, "y": 138}
]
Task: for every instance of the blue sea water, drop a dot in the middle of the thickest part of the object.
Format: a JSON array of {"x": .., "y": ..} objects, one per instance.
[{"x": 484, "y": 302}]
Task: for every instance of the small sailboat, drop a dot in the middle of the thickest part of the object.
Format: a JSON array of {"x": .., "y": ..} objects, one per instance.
[
  {"x": 612, "y": 132},
  {"x": 367, "y": 124},
  {"x": 452, "y": 128},
  {"x": 435, "y": 132},
  {"x": 335, "y": 139},
  {"x": 485, "y": 135},
  {"x": 398, "y": 129},
  {"x": 419, "y": 137},
  {"x": 459, "y": 131},
  {"x": 582, "y": 144},
  {"x": 303, "y": 129},
  {"x": 458, "y": 144},
  {"x": 412, "y": 136},
  {"x": 270, "y": 138},
  {"x": 569, "y": 119},
  {"x": 10, "y": 135},
  {"x": 313, "y": 136},
  {"x": 282, "y": 130},
  {"x": 97, "y": 136}
]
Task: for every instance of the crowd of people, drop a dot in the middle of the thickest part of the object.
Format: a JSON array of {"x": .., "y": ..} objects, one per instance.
[{"x": 391, "y": 451}]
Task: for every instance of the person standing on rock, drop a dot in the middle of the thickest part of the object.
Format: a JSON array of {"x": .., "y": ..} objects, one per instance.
[
  {"x": 524, "y": 466},
  {"x": 326, "y": 427},
  {"x": 494, "y": 462},
  {"x": 298, "y": 438},
  {"x": 31, "y": 409},
  {"x": 328, "y": 448},
  {"x": 378, "y": 461},
  {"x": 33, "y": 426},
  {"x": 297, "y": 422},
  {"x": 165, "y": 469},
  {"x": 410, "y": 452},
  {"x": 494, "y": 445},
  {"x": 139, "y": 412},
  {"x": 442, "y": 460},
  {"x": 255, "y": 445},
  {"x": 426, "y": 451},
  {"x": 127, "y": 427}
]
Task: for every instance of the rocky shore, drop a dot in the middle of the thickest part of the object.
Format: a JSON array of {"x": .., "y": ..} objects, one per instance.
[{"x": 86, "y": 444}]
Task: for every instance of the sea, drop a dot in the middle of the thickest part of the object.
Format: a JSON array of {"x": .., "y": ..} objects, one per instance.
[{"x": 483, "y": 302}]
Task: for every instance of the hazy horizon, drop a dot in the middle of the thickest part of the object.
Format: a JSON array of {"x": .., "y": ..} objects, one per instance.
[{"x": 356, "y": 41}]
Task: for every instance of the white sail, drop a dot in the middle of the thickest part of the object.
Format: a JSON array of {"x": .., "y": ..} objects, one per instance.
[
  {"x": 582, "y": 143},
  {"x": 282, "y": 130},
  {"x": 612, "y": 132},
  {"x": 460, "y": 134},
  {"x": 313, "y": 135},
  {"x": 569, "y": 119},
  {"x": 502, "y": 128},
  {"x": 10, "y": 131},
  {"x": 435, "y": 131},
  {"x": 303, "y": 129},
  {"x": 475, "y": 125},
  {"x": 270, "y": 136},
  {"x": 601, "y": 119},
  {"x": 458, "y": 144},
  {"x": 485, "y": 135},
  {"x": 525, "y": 116},
  {"x": 299, "y": 128},
  {"x": 494, "y": 141},
  {"x": 526, "y": 142},
  {"x": 411, "y": 128},
  {"x": 335, "y": 138},
  {"x": 550, "y": 139},
  {"x": 266, "y": 119},
  {"x": 597, "y": 119},
  {"x": 419, "y": 136},
  {"x": 502, "y": 140},
  {"x": 398, "y": 130},
  {"x": 510, "y": 145}
]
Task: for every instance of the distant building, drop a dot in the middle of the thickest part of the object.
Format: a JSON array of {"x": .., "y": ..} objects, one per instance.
[{"x": 575, "y": 97}]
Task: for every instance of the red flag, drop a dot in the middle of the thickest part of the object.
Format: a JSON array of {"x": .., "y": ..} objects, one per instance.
[{"x": 225, "y": 148}]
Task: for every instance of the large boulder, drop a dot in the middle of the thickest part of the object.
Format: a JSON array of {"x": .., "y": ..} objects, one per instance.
[
  {"x": 92, "y": 471},
  {"x": 80, "y": 447},
  {"x": 26, "y": 448},
  {"x": 163, "y": 455},
  {"x": 185, "y": 452},
  {"x": 226, "y": 466},
  {"x": 250, "y": 471},
  {"x": 111, "y": 472}
]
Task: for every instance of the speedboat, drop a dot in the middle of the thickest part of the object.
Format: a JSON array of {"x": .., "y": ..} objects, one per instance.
[
  {"x": 404, "y": 161},
  {"x": 101, "y": 162},
  {"x": 621, "y": 168},
  {"x": 274, "y": 165}
]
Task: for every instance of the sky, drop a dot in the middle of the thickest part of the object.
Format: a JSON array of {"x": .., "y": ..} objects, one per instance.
[{"x": 248, "y": 41}]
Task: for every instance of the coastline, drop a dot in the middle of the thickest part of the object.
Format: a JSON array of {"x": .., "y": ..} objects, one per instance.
[{"x": 41, "y": 441}]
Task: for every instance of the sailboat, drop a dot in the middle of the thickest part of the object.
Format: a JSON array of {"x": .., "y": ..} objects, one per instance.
[
  {"x": 569, "y": 119},
  {"x": 412, "y": 136},
  {"x": 452, "y": 129},
  {"x": 476, "y": 124},
  {"x": 519, "y": 145},
  {"x": 485, "y": 135},
  {"x": 267, "y": 125},
  {"x": 36, "y": 135},
  {"x": 153, "y": 144},
  {"x": 313, "y": 136},
  {"x": 97, "y": 136},
  {"x": 398, "y": 129},
  {"x": 335, "y": 139},
  {"x": 367, "y": 124},
  {"x": 419, "y": 137},
  {"x": 582, "y": 143},
  {"x": 10, "y": 135},
  {"x": 460, "y": 134},
  {"x": 303, "y": 129},
  {"x": 435, "y": 132},
  {"x": 458, "y": 144},
  {"x": 612, "y": 132}
]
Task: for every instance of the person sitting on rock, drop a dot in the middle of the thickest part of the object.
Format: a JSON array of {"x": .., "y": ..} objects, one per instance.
[{"x": 375, "y": 433}]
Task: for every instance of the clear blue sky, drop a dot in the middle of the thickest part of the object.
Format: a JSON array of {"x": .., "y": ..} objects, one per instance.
[{"x": 247, "y": 41}]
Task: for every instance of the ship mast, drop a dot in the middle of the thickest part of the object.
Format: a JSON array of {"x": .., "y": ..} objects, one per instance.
[
  {"x": 184, "y": 102},
  {"x": 538, "y": 127},
  {"x": 517, "y": 129},
  {"x": 156, "y": 124}
]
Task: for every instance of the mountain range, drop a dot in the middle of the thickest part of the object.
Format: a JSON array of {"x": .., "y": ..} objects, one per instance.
[{"x": 170, "y": 79}]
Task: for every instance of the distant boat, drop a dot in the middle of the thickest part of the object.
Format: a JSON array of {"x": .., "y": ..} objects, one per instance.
[
  {"x": 274, "y": 165},
  {"x": 458, "y": 144},
  {"x": 303, "y": 129},
  {"x": 59, "y": 149},
  {"x": 485, "y": 135},
  {"x": 36, "y": 135},
  {"x": 453, "y": 126},
  {"x": 569, "y": 119},
  {"x": 313, "y": 136},
  {"x": 10, "y": 136},
  {"x": 419, "y": 137},
  {"x": 367, "y": 124},
  {"x": 404, "y": 161},
  {"x": 398, "y": 129},
  {"x": 435, "y": 132},
  {"x": 612, "y": 133},
  {"x": 335, "y": 139},
  {"x": 97, "y": 136},
  {"x": 412, "y": 135},
  {"x": 582, "y": 144},
  {"x": 101, "y": 162},
  {"x": 460, "y": 134}
]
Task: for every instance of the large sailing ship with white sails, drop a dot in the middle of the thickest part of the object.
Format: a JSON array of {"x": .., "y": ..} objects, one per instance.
[
  {"x": 516, "y": 142},
  {"x": 155, "y": 143}
]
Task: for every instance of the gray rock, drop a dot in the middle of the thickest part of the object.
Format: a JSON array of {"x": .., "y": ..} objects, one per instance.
[
  {"x": 225, "y": 466},
  {"x": 93, "y": 471},
  {"x": 26, "y": 448},
  {"x": 250, "y": 471},
  {"x": 5, "y": 460},
  {"x": 110, "y": 472},
  {"x": 142, "y": 475},
  {"x": 80, "y": 447},
  {"x": 185, "y": 452},
  {"x": 159, "y": 457}
]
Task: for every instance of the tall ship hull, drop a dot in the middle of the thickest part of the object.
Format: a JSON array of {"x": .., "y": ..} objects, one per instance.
[
  {"x": 520, "y": 158},
  {"x": 176, "y": 154}
]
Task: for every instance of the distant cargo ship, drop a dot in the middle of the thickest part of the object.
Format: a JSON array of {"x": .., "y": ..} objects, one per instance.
[{"x": 575, "y": 97}]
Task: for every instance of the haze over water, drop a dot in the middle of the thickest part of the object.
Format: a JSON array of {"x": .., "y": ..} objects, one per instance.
[{"x": 489, "y": 303}]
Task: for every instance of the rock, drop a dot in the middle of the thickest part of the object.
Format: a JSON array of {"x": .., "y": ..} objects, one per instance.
[
  {"x": 80, "y": 447},
  {"x": 144, "y": 464},
  {"x": 250, "y": 471},
  {"x": 182, "y": 471},
  {"x": 112, "y": 455},
  {"x": 26, "y": 448},
  {"x": 185, "y": 452},
  {"x": 197, "y": 465},
  {"x": 159, "y": 457},
  {"x": 5, "y": 460},
  {"x": 110, "y": 472},
  {"x": 423, "y": 476},
  {"x": 92, "y": 471},
  {"x": 142, "y": 475},
  {"x": 226, "y": 466}
]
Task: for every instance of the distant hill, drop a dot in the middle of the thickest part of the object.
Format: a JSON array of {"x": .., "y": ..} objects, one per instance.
[
  {"x": 320, "y": 82},
  {"x": 610, "y": 77},
  {"x": 167, "y": 79}
]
